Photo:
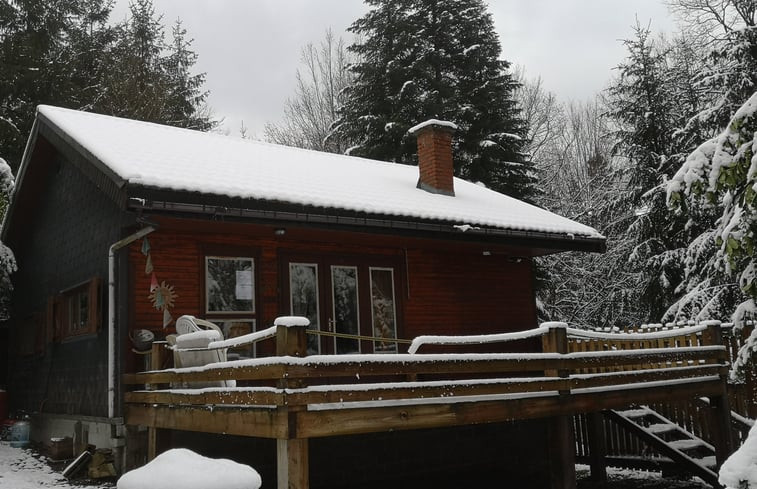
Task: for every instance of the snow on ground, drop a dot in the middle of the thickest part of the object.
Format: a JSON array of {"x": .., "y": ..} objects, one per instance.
[
  {"x": 636, "y": 479},
  {"x": 24, "y": 469}
]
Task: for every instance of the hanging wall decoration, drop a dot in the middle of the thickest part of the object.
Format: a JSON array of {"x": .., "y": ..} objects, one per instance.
[{"x": 162, "y": 295}]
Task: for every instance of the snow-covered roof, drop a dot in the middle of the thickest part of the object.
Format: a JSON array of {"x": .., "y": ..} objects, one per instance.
[{"x": 150, "y": 155}]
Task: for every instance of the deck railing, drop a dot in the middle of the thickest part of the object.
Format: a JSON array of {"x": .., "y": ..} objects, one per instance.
[
  {"x": 578, "y": 369},
  {"x": 293, "y": 397}
]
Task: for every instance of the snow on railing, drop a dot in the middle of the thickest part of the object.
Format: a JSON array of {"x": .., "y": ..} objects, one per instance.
[
  {"x": 544, "y": 328},
  {"x": 236, "y": 341},
  {"x": 480, "y": 339},
  {"x": 670, "y": 333}
]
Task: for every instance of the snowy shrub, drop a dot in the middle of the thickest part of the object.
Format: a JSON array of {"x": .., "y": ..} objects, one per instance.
[
  {"x": 7, "y": 260},
  {"x": 740, "y": 470}
]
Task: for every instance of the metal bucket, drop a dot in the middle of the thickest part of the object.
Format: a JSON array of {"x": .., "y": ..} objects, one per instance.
[{"x": 20, "y": 434}]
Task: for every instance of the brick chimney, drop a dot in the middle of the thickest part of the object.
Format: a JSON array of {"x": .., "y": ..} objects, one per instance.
[{"x": 435, "y": 156}]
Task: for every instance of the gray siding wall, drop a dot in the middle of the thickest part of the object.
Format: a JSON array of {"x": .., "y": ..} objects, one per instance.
[{"x": 66, "y": 243}]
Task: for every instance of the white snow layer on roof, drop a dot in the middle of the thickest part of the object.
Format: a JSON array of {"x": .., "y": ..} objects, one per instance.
[{"x": 171, "y": 158}]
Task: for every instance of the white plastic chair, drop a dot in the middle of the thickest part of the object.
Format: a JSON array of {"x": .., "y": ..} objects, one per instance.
[{"x": 192, "y": 332}]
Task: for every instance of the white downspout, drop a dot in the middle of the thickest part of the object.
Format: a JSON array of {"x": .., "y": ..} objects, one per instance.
[{"x": 112, "y": 313}]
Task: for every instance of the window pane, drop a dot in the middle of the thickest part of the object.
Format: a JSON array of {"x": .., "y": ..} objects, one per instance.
[
  {"x": 382, "y": 309},
  {"x": 346, "y": 310},
  {"x": 229, "y": 284},
  {"x": 73, "y": 310},
  {"x": 303, "y": 298},
  {"x": 83, "y": 310},
  {"x": 233, "y": 328}
]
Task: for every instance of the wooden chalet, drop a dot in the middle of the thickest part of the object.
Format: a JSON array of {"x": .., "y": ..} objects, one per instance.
[{"x": 121, "y": 226}]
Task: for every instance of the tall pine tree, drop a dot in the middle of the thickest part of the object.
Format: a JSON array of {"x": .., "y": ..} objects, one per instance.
[
  {"x": 647, "y": 107},
  {"x": 65, "y": 53},
  {"x": 423, "y": 59},
  {"x": 49, "y": 52}
]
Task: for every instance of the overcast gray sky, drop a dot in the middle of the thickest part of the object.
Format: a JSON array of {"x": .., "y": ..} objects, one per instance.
[{"x": 250, "y": 49}]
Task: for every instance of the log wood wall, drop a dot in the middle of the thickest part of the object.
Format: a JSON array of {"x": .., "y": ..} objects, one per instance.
[{"x": 442, "y": 287}]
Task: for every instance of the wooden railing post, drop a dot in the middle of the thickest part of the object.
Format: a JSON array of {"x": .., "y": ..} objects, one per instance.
[
  {"x": 292, "y": 454},
  {"x": 562, "y": 446},
  {"x": 720, "y": 409},
  {"x": 291, "y": 336}
]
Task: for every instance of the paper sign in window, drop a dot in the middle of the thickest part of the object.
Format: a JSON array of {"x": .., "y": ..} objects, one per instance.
[{"x": 243, "y": 290}]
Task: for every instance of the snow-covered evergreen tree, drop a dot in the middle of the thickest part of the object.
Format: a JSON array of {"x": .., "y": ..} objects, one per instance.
[
  {"x": 422, "y": 59},
  {"x": 7, "y": 260},
  {"x": 717, "y": 82},
  {"x": 66, "y": 53},
  {"x": 643, "y": 106},
  {"x": 49, "y": 52},
  {"x": 187, "y": 107},
  {"x": 723, "y": 171},
  {"x": 147, "y": 79}
]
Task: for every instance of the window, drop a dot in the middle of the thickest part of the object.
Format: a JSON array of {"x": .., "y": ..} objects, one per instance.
[
  {"x": 351, "y": 296},
  {"x": 75, "y": 311},
  {"x": 346, "y": 308},
  {"x": 230, "y": 295},
  {"x": 383, "y": 312},
  {"x": 303, "y": 298},
  {"x": 229, "y": 285},
  {"x": 238, "y": 327}
]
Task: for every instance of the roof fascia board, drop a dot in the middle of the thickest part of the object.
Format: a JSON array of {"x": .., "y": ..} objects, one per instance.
[{"x": 307, "y": 217}]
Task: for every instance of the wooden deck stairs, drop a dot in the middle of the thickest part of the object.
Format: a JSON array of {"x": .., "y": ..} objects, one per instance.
[{"x": 676, "y": 445}]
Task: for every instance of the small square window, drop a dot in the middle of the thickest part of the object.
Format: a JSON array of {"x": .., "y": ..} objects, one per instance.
[
  {"x": 75, "y": 311},
  {"x": 229, "y": 285}
]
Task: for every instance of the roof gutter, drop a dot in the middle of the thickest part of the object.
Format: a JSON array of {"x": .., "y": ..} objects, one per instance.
[
  {"x": 112, "y": 312},
  {"x": 558, "y": 242}
]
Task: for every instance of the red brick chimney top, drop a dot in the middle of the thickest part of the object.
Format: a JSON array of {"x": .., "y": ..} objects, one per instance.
[{"x": 435, "y": 163}]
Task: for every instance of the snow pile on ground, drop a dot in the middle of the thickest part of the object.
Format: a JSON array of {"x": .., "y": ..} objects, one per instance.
[
  {"x": 740, "y": 470},
  {"x": 19, "y": 469},
  {"x": 188, "y": 470}
]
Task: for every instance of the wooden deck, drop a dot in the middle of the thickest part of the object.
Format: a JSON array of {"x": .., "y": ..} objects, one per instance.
[{"x": 292, "y": 398}]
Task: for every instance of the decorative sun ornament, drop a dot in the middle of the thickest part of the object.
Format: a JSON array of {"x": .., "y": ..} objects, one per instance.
[{"x": 163, "y": 296}]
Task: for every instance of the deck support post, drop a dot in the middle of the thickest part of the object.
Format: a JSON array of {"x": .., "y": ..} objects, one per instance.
[
  {"x": 156, "y": 363},
  {"x": 597, "y": 446},
  {"x": 562, "y": 446},
  {"x": 292, "y": 465},
  {"x": 720, "y": 409}
]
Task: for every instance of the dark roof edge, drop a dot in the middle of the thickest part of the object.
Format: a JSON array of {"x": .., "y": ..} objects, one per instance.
[
  {"x": 84, "y": 152},
  {"x": 316, "y": 217},
  {"x": 30, "y": 143}
]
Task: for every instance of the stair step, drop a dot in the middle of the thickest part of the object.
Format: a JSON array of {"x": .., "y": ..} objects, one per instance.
[
  {"x": 687, "y": 444},
  {"x": 659, "y": 428},
  {"x": 710, "y": 462},
  {"x": 635, "y": 413}
]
